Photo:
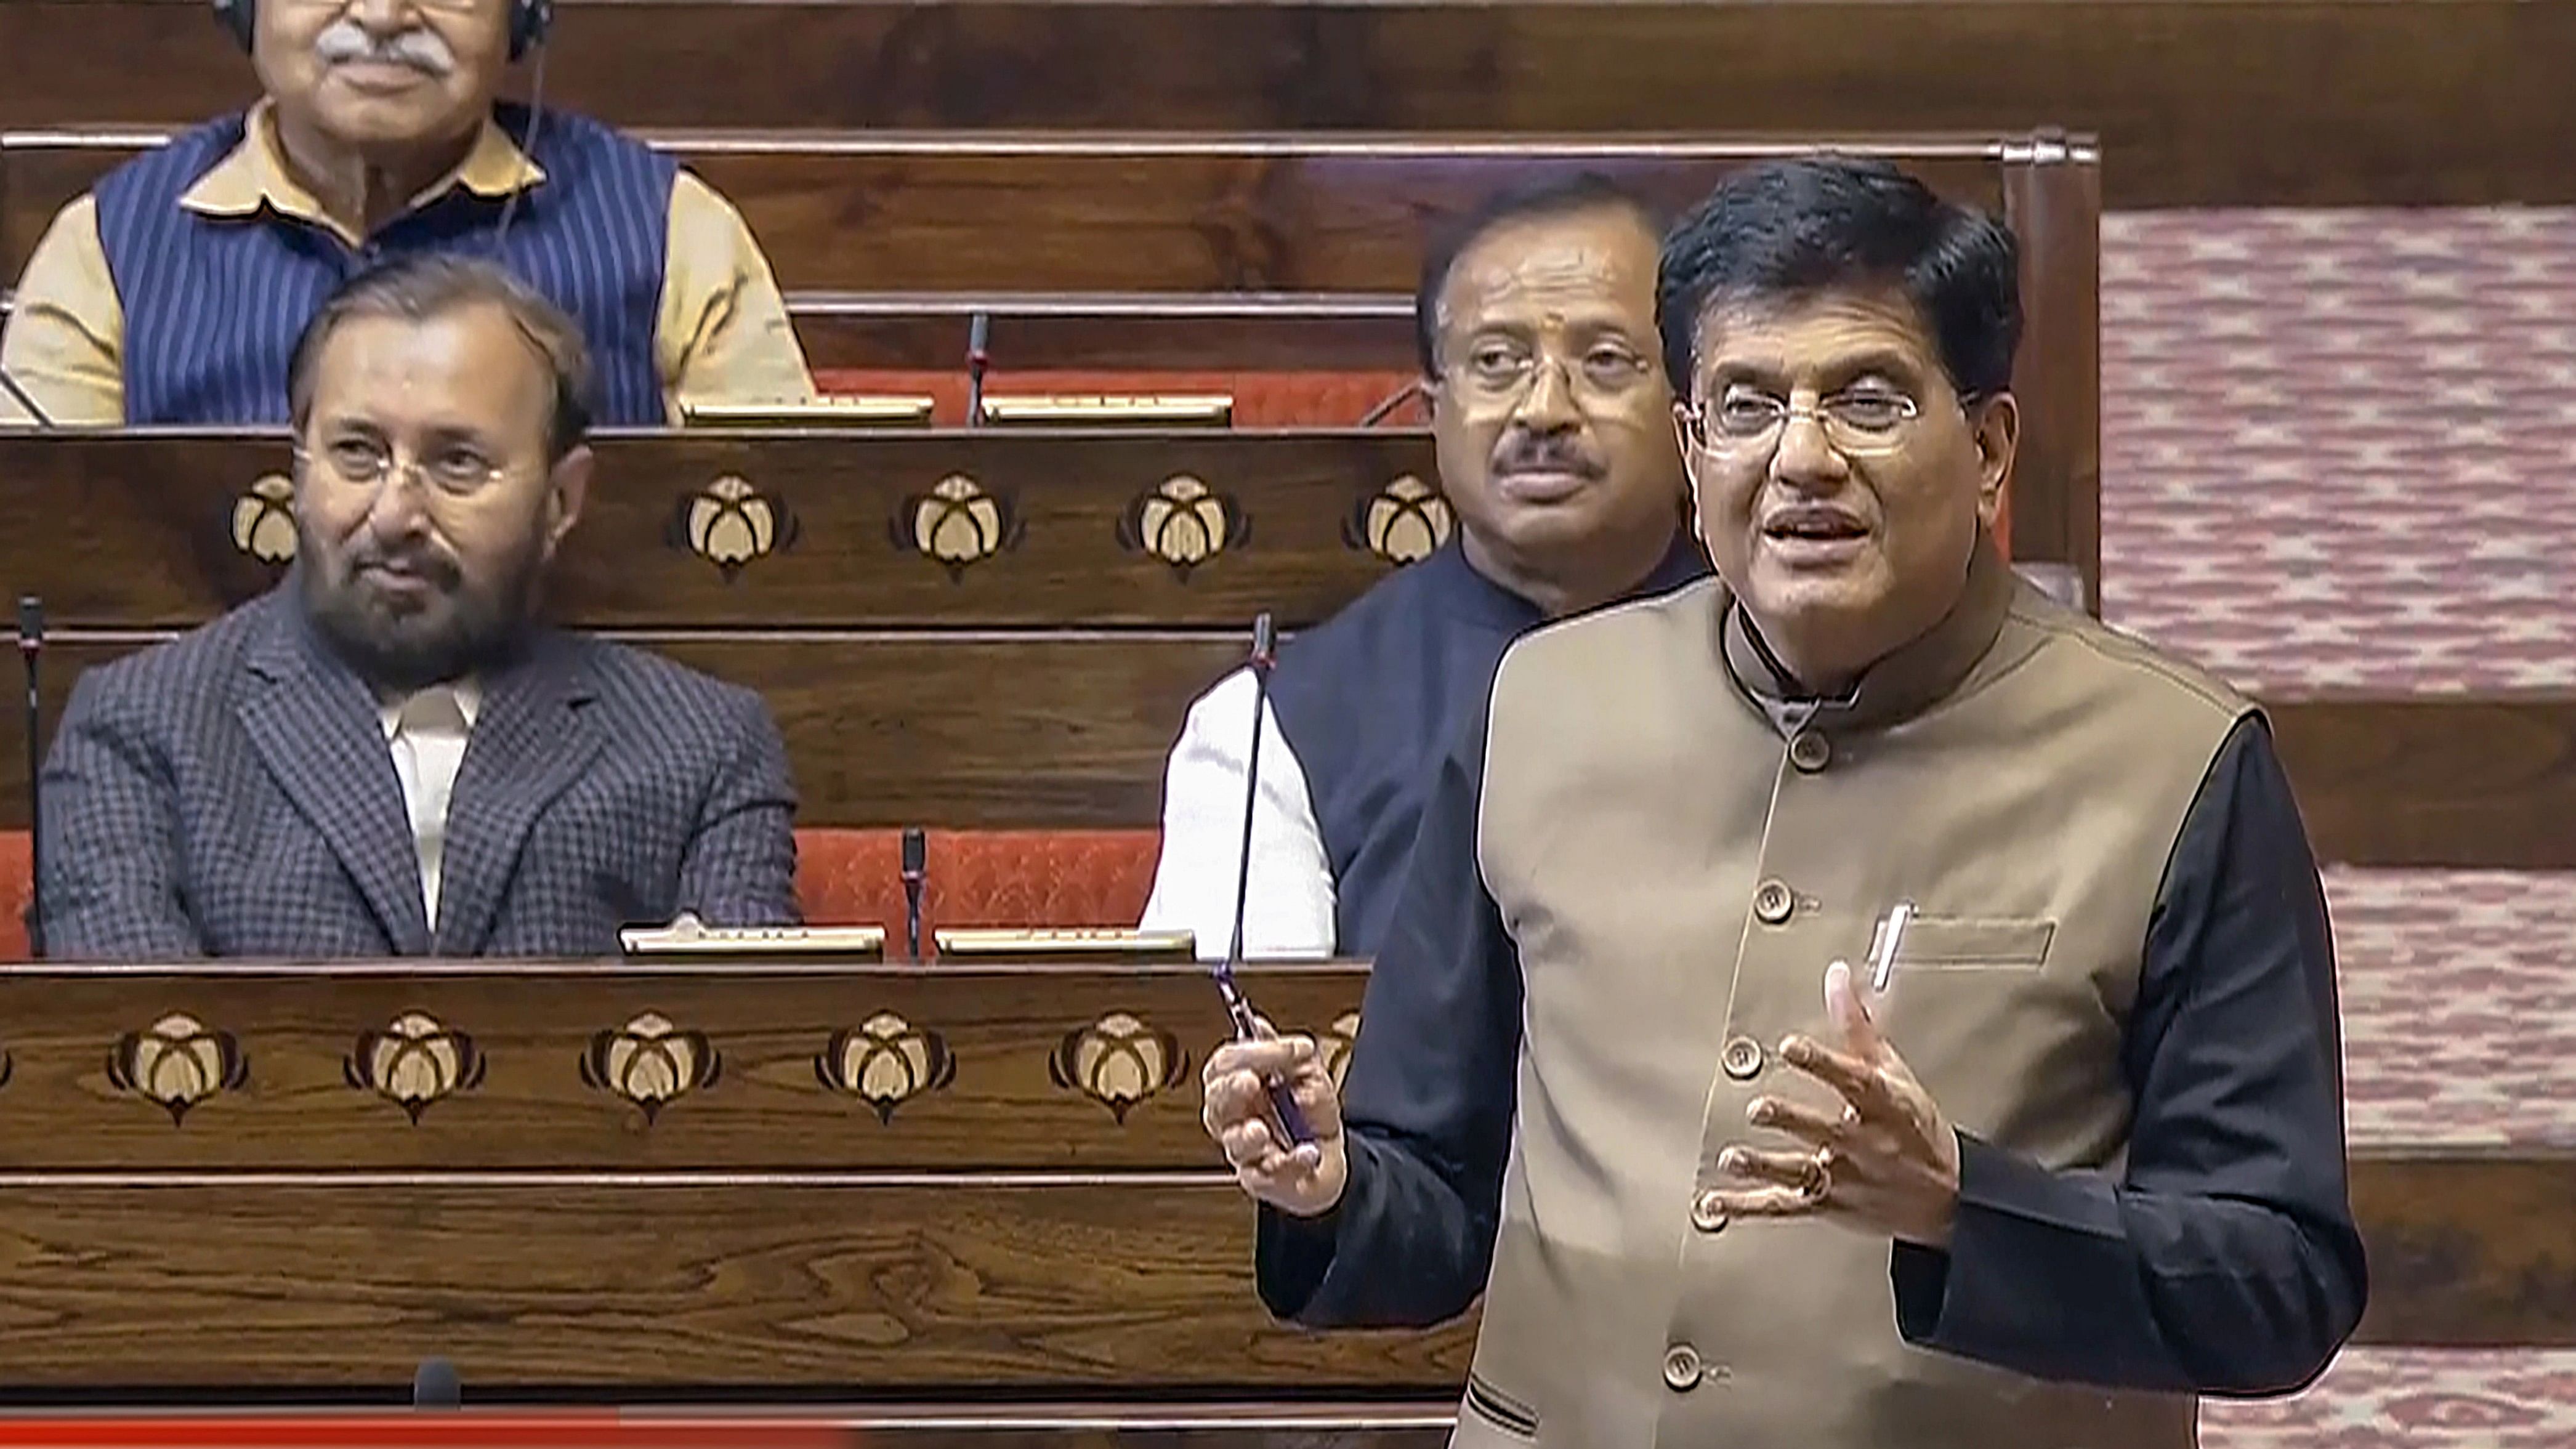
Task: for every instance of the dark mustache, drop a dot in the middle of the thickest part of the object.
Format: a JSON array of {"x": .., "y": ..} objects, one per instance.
[
  {"x": 437, "y": 569},
  {"x": 1552, "y": 454}
]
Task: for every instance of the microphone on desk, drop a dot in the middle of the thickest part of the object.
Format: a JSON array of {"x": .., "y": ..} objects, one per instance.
[
  {"x": 31, "y": 646},
  {"x": 1283, "y": 1102},
  {"x": 979, "y": 356},
  {"x": 434, "y": 1386},
  {"x": 44, "y": 420},
  {"x": 916, "y": 869}
]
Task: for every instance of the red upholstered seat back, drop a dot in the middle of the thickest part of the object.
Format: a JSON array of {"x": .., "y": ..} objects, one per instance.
[
  {"x": 854, "y": 877},
  {"x": 16, "y": 861},
  {"x": 979, "y": 877}
]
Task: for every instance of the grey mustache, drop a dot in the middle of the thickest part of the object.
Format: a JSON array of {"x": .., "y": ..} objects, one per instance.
[{"x": 347, "y": 41}]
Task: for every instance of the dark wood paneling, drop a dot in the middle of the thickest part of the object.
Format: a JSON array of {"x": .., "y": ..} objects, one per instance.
[
  {"x": 144, "y": 531},
  {"x": 967, "y": 1424},
  {"x": 1029, "y": 729},
  {"x": 923, "y": 331},
  {"x": 895, "y": 1284},
  {"x": 1075, "y": 214},
  {"x": 2055, "y": 499},
  {"x": 2469, "y": 1248},
  {"x": 2223, "y": 103},
  {"x": 887, "y": 1285},
  {"x": 910, "y": 729},
  {"x": 1287, "y": 1424},
  {"x": 1279, "y": 1427},
  {"x": 2435, "y": 782},
  {"x": 1002, "y": 1100}
]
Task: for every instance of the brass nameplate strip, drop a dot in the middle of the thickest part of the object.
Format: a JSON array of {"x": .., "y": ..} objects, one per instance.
[
  {"x": 1102, "y": 944},
  {"x": 823, "y": 412},
  {"x": 691, "y": 939},
  {"x": 1064, "y": 410}
]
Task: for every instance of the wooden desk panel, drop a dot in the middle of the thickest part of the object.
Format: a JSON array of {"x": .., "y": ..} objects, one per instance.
[
  {"x": 878, "y": 212},
  {"x": 1353, "y": 332},
  {"x": 1278, "y": 1423},
  {"x": 263, "y": 1238},
  {"x": 977, "y": 1284},
  {"x": 990, "y": 1283},
  {"x": 893, "y": 729},
  {"x": 946, "y": 1067},
  {"x": 783, "y": 530},
  {"x": 988, "y": 729},
  {"x": 2222, "y": 103}
]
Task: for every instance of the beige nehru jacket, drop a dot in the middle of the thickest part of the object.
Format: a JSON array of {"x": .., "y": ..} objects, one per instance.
[{"x": 2021, "y": 775}]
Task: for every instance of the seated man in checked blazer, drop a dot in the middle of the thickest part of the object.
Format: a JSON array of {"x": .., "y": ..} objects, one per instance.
[{"x": 387, "y": 755}]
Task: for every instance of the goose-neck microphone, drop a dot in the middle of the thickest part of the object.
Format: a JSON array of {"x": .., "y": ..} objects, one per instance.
[{"x": 1283, "y": 1102}]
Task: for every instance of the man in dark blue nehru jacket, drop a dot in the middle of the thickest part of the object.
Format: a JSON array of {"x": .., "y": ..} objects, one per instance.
[
  {"x": 1535, "y": 323},
  {"x": 174, "y": 291}
]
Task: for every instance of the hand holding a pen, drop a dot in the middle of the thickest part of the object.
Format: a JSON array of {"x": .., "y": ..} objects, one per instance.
[
  {"x": 1303, "y": 1179},
  {"x": 1887, "y": 1161}
]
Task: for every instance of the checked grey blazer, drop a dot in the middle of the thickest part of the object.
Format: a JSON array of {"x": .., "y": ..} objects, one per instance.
[{"x": 230, "y": 793}]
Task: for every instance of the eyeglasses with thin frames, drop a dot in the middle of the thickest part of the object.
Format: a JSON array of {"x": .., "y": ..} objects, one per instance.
[
  {"x": 453, "y": 471},
  {"x": 1857, "y": 422}
]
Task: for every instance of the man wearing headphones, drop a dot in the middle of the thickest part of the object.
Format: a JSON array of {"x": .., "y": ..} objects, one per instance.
[{"x": 173, "y": 293}]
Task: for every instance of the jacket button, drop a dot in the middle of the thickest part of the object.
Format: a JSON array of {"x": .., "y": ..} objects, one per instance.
[
  {"x": 1681, "y": 1368},
  {"x": 1706, "y": 1213},
  {"x": 1742, "y": 1058},
  {"x": 1809, "y": 750},
  {"x": 1772, "y": 902}
]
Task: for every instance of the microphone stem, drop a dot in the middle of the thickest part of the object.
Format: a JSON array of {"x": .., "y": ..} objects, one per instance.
[
  {"x": 1251, "y": 806},
  {"x": 1283, "y": 1102}
]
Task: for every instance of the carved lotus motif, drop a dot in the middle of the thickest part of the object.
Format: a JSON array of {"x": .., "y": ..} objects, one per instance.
[
  {"x": 264, "y": 520},
  {"x": 1404, "y": 522},
  {"x": 731, "y": 524},
  {"x": 650, "y": 1062},
  {"x": 885, "y": 1062},
  {"x": 413, "y": 1062},
  {"x": 177, "y": 1062},
  {"x": 957, "y": 524},
  {"x": 1183, "y": 522},
  {"x": 1118, "y": 1061}
]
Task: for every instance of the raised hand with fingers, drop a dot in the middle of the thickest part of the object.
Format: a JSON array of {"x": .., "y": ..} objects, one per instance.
[
  {"x": 1304, "y": 1180},
  {"x": 1887, "y": 1161}
]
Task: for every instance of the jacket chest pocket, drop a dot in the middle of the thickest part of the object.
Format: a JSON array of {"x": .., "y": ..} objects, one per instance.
[{"x": 1969, "y": 943}]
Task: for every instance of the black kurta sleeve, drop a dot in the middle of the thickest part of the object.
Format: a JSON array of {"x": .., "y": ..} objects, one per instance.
[
  {"x": 1427, "y": 1102},
  {"x": 2223, "y": 1259}
]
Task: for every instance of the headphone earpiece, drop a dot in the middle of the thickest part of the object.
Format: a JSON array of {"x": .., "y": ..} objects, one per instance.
[
  {"x": 529, "y": 22},
  {"x": 236, "y": 19}
]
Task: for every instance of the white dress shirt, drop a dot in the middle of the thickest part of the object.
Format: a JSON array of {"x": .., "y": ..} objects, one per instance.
[
  {"x": 427, "y": 733},
  {"x": 1289, "y": 910}
]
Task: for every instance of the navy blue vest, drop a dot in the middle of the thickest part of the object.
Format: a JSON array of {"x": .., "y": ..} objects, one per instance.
[
  {"x": 214, "y": 304},
  {"x": 1370, "y": 698}
]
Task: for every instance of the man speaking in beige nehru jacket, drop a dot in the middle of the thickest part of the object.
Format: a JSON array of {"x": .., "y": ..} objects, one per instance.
[{"x": 1855, "y": 1001}]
